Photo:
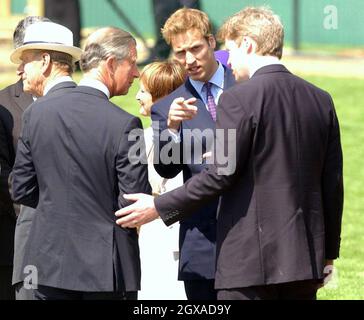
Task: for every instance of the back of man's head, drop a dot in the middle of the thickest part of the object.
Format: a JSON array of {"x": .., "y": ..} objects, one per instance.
[
  {"x": 258, "y": 23},
  {"x": 104, "y": 43},
  {"x": 184, "y": 20},
  {"x": 19, "y": 32}
]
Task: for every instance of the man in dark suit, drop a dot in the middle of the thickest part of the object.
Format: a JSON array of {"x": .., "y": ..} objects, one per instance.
[
  {"x": 73, "y": 165},
  {"x": 280, "y": 214},
  {"x": 13, "y": 101},
  {"x": 189, "y": 33},
  {"x": 39, "y": 81}
]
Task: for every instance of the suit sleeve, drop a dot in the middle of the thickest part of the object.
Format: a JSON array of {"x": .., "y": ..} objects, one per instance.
[
  {"x": 168, "y": 154},
  {"x": 131, "y": 162},
  {"x": 25, "y": 189},
  {"x": 234, "y": 135},
  {"x": 6, "y": 203},
  {"x": 333, "y": 190}
]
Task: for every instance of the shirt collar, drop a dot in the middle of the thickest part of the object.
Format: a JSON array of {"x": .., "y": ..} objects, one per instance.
[
  {"x": 217, "y": 79},
  {"x": 56, "y": 81},
  {"x": 96, "y": 84},
  {"x": 262, "y": 61}
]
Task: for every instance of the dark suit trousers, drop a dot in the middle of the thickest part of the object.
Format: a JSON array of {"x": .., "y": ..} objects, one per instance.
[
  {"x": 49, "y": 293},
  {"x": 297, "y": 290},
  {"x": 7, "y": 291},
  {"x": 200, "y": 289}
]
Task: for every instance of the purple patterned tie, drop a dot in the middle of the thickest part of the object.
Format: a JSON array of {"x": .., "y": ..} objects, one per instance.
[{"x": 210, "y": 100}]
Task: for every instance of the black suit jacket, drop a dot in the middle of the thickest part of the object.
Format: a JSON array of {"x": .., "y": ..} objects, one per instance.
[
  {"x": 198, "y": 232},
  {"x": 13, "y": 102},
  {"x": 281, "y": 209},
  {"x": 26, "y": 214},
  {"x": 73, "y": 164}
]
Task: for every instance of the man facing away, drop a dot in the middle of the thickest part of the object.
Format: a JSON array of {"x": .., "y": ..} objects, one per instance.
[
  {"x": 73, "y": 165},
  {"x": 189, "y": 33},
  {"x": 34, "y": 79},
  {"x": 280, "y": 215},
  {"x": 13, "y": 101}
]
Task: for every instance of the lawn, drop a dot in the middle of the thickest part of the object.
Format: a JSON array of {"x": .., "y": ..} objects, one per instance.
[{"x": 348, "y": 94}]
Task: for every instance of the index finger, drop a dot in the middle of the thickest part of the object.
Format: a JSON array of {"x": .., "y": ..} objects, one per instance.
[
  {"x": 190, "y": 100},
  {"x": 125, "y": 211}
]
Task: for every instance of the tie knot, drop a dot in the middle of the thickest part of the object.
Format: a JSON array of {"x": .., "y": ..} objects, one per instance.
[
  {"x": 211, "y": 106},
  {"x": 208, "y": 85}
]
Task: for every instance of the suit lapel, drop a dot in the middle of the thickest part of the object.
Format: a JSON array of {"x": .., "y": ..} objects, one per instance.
[
  {"x": 203, "y": 119},
  {"x": 21, "y": 99}
]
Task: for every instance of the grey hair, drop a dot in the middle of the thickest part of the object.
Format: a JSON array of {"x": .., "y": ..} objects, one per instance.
[
  {"x": 62, "y": 60},
  {"x": 19, "y": 32},
  {"x": 104, "y": 43}
]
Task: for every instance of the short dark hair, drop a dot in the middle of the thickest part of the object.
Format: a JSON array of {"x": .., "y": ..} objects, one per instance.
[{"x": 19, "y": 32}]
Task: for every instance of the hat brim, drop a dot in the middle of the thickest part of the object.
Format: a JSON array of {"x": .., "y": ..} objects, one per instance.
[{"x": 73, "y": 51}]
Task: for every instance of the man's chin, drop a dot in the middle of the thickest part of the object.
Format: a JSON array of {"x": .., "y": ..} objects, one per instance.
[{"x": 198, "y": 77}]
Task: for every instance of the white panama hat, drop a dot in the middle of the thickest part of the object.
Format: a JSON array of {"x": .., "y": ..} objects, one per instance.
[{"x": 47, "y": 36}]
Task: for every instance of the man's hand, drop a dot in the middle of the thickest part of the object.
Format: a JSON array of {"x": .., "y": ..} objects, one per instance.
[
  {"x": 179, "y": 111},
  {"x": 140, "y": 212}
]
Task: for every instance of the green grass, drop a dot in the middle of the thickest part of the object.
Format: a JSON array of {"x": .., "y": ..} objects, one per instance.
[{"x": 348, "y": 95}]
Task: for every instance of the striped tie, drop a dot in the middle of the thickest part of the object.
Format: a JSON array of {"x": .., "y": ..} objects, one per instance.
[{"x": 210, "y": 100}]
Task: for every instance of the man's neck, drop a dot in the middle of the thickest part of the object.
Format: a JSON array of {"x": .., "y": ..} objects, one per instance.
[
  {"x": 97, "y": 75},
  {"x": 95, "y": 80},
  {"x": 216, "y": 66},
  {"x": 54, "y": 79},
  {"x": 258, "y": 62}
]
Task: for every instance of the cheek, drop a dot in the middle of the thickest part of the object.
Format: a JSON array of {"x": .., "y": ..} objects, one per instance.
[
  {"x": 236, "y": 61},
  {"x": 30, "y": 70},
  {"x": 27, "y": 69},
  {"x": 181, "y": 60},
  {"x": 147, "y": 103}
]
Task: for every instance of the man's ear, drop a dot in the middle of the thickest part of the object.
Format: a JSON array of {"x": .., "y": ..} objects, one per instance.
[
  {"x": 249, "y": 45},
  {"x": 110, "y": 65},
  {"x": 212, "y": 42},
  {"x": 46, "y": 62}
]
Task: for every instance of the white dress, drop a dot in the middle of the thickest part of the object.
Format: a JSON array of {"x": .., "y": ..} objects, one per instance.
[{"x": 159, "y": 253}]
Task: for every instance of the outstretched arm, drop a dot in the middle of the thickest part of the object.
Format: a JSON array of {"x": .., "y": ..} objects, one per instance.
[{"x": 211, "y": 182}]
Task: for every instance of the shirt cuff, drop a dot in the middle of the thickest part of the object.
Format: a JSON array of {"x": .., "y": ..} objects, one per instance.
[{"x": 176, "y": 136}]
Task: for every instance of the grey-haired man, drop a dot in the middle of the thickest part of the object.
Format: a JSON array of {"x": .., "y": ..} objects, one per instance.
[{"x": 45, "y": 69}]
